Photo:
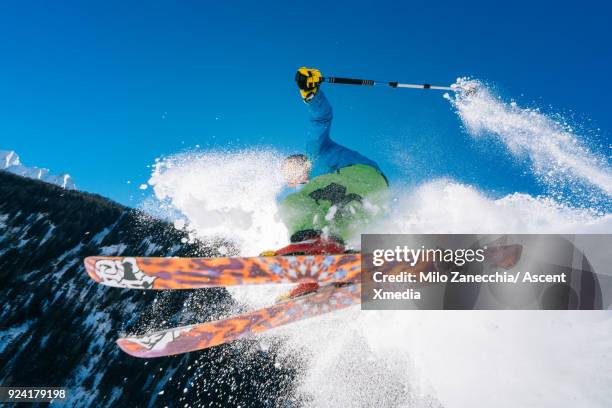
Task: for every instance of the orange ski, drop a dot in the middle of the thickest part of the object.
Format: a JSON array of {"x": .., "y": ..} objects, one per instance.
[
  {"x": 190, "y": 273},
  {"x": 204, "y": 335}
]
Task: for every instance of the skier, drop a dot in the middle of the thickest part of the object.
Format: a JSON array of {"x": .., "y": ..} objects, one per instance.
[{"x": 339, "y": 190}]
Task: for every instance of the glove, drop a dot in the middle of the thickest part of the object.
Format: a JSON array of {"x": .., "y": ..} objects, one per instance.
[{"x": 308, "y": 80}]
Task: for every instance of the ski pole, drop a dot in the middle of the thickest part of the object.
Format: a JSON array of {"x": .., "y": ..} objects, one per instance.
[{"x": 392, "y": 84}]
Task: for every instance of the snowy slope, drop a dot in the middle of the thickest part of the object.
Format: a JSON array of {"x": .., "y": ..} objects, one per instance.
[
  {"x": 9, "y": 161},
  {"x": 58, "y": 327}
]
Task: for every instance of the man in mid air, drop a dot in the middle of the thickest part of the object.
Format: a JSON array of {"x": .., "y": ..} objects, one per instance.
[{"x": 339, "y": 190}]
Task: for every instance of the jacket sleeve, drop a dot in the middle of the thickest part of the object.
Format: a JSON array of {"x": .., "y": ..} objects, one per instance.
[{"x": 321, "y": 116}]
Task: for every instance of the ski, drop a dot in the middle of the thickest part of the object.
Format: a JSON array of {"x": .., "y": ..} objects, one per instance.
[
  {"x": 204, "y": 335},
  {"x": 192, "y": 273}
]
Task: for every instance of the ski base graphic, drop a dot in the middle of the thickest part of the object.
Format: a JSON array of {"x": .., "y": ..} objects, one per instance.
[
  {"x": 204, "y": 335},
  {"x": 192, "y": 273}
]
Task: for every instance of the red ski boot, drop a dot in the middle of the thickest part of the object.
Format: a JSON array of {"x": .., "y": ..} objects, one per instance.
[{"x": 314, "y": 246}]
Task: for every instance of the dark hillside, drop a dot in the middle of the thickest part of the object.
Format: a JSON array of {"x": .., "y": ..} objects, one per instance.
[{"x": 57, "y": 327}]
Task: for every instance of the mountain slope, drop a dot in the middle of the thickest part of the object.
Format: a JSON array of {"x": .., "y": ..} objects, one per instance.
[{"x": 57, "y": 328}]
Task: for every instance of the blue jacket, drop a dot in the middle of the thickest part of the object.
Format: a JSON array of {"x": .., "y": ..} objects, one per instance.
[{"x": 326, "y": 155}]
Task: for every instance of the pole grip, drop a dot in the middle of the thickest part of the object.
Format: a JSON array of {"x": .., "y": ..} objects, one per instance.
[{"x": 349, "y": 81}]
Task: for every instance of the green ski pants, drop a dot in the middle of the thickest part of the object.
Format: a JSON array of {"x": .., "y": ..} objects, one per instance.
[{"x": 338, "y": 204}]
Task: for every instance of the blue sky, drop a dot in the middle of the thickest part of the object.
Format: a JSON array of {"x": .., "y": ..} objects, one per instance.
[{"x": 99, "y": 89}]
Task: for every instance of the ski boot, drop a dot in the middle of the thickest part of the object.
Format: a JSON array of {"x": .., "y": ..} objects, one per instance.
[{"x": 315, "y": 245}]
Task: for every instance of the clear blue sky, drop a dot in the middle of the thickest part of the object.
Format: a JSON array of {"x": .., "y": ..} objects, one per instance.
[{"x": 99, "y": 89}]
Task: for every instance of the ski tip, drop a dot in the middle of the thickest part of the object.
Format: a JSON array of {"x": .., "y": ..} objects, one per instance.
[
  {"x": 90, "y": 267},
  {"x": 129, "y": 347}
]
